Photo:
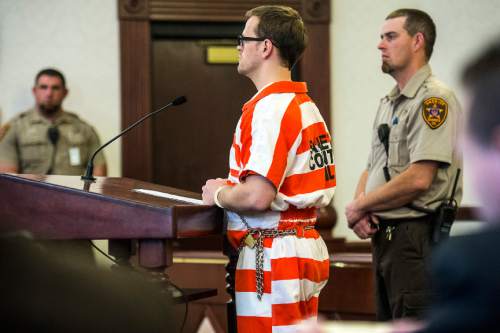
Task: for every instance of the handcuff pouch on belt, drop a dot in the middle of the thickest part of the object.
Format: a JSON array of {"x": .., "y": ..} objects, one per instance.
[{"x": 444, "y": 214}]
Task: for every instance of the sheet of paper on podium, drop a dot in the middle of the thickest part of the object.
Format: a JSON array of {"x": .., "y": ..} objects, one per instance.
[{"x": 169, "y": 196}]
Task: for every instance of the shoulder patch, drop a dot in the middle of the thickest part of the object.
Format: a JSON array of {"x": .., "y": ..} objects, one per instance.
[
  {"x": 434, "y": 111},
  {"x": 3, "y": 130}
]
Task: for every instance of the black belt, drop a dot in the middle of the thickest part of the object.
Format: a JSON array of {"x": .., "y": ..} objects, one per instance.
[{"x": 384, "y": 223}]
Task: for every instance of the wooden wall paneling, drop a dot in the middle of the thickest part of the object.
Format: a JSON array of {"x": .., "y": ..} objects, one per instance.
[
  {"x": 133, "y": 9},
  {"x": 315, "y": 67},
  {"x": 315, "y": 64},
  {"x": 349, "y": 294},
  {"x": 192, "y": 142},
  {"x": 188, "y": 270},
  {"x": 208, "y": 10},
  {"x": 135, "y": 45},
  {"x": 468, "y": 213},
  {"x": 135, "y": 36},
  {"x": 317, "y": 11}
]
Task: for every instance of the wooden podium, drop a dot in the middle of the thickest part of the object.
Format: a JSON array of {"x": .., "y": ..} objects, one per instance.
[{"x": 65, "y": 207}]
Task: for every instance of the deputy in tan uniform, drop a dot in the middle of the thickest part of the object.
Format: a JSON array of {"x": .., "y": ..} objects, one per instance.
[
  {"x": 418, "y": 121},
  {"x": 47, "y": 139}
]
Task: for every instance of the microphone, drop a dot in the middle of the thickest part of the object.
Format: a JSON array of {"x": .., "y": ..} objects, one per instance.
[
  {"x": 383, "y": 132},
  {"x": 90, "y": 165},
  {"x": 53, "y": 134}
]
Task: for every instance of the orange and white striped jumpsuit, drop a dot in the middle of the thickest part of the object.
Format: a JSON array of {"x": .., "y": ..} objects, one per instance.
[{"x": 282, "y": 136}]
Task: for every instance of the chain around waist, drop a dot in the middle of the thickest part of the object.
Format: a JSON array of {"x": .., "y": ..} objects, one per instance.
[{"x": 255, "y": 239}]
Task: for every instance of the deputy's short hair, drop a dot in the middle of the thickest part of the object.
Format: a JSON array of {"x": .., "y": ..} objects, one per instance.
[
  {"x": 418, "y": 21},
  {"x": 51, "y": 72},
  {"x": 284, "y": 26}
]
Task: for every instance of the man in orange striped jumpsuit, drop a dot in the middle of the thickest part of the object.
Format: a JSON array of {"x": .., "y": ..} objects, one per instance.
[{"x": 281, "y": 171}]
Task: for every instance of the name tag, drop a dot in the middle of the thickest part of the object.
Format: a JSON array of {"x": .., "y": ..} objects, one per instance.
[{"x": 74, "y": 156}]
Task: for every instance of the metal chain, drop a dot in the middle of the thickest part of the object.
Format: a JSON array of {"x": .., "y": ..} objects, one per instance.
[{"x": 258, "y": 235}]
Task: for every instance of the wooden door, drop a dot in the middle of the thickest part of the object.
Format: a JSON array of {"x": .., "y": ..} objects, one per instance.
[{"x": 191, "y": 142}]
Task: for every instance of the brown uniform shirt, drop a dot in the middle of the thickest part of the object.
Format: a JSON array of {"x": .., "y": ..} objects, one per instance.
[
  {"x": 26, "y": 143},
  {"x": 424, "y": 120}
]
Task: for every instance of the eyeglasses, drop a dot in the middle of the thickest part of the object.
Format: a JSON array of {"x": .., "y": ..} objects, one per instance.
[{"x": 242, "y": 39}]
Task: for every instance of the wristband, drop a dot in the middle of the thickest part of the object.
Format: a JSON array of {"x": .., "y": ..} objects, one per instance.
[{"x": 216, "y": 196}]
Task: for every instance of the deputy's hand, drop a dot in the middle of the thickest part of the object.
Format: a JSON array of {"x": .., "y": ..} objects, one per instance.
[
  {"x": 353, "y": 212},
  {"x": 365, "y": 228},
  {"x": 209, "y": 189}
]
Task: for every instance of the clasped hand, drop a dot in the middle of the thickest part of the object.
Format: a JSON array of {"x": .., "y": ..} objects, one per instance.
[{"x": 364, "y": 224}]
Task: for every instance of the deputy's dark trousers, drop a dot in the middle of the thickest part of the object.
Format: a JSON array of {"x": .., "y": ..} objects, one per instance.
[{"x": 401, "y": 250}]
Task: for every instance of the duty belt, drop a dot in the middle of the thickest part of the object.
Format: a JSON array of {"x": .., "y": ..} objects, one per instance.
[
  {"x": 390, "y": 225},
  {"x": 384, "y": 223},
  {"x": 254, "y": 238}
]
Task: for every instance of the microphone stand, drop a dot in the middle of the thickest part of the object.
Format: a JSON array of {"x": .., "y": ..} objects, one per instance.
[{"x": 88, "y": 176}]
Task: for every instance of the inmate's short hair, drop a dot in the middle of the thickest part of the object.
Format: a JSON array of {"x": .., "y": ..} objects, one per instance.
[
  {"x": 284, "y": 26},
  {"x": 481, "y": 77},
  {"x": 418, "y": 21},
  {"x": 51, "y": 72}
]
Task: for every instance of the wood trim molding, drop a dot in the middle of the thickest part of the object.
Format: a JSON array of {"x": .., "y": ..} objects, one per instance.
[
  {"x": 316, "y": 11},
  {"x": 209, "y": 10},
  {"x": 312, "y": 11},
  {"x": 133, "y": 9},
  {"x": 135, "y": 43},
  {"x": 315, "y": 67},
  {"x": 468, "y": 213}
]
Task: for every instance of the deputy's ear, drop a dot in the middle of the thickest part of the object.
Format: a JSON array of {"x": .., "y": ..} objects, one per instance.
[{"x": 419, "y": 41}]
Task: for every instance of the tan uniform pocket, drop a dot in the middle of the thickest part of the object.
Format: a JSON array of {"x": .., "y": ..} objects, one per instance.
[
  {"x": 399, "y": 154},
  {"x": 34, "y": 153}
]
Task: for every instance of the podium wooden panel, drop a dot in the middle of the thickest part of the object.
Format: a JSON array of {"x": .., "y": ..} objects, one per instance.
[
  {"x": 349, "y": 294},
  {"x": 65, "y": 207}
]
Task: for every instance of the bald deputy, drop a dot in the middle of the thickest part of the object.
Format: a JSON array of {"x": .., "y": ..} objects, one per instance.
[{"x": 47, "y": 139}]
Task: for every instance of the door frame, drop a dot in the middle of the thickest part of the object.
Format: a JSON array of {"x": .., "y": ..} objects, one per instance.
[{"x": 135, "y": 18}]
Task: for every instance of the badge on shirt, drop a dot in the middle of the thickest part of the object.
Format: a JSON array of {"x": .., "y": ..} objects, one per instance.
[
  {"x": 3, "y": 130},
  {"x": 74, "y": 156},
  {"x": 434, "y": 111}
]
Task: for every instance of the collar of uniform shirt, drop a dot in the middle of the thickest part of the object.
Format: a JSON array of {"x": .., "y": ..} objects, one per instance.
[{"x": 411, "y": 88}]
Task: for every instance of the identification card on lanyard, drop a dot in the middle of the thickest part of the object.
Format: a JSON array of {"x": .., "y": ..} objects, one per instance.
[{"x": 74, "y": 156}]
